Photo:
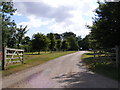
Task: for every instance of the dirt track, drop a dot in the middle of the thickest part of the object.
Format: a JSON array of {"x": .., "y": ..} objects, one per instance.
[{"x": 64, "y": 72}]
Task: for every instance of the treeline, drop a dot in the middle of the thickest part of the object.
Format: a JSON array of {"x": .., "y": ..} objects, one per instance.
[{"x": 50, "y": 42}]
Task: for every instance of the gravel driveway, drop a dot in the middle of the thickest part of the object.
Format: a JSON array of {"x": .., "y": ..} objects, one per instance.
[{"x": 63, "y": 72}]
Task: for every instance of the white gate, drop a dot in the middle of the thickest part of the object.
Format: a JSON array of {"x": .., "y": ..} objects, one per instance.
[{"x": 12, "y": 56}]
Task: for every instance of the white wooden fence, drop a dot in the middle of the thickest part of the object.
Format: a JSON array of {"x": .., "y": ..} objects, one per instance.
[{"x": 12, "y": 56}]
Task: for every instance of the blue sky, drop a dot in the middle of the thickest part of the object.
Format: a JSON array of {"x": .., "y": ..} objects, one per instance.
[{"x": 57, "y": 16}]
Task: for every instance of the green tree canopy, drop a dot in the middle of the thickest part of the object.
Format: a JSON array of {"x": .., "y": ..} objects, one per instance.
[
  {"x": 8, "y": 25},
  {"x": 52, "y": 45},
  {"x": 73, "y": 43},
  {"x": 20, "y": 34},
  {"x": 65, "y": 45},
  {"x": 57, "y": 36},
  {"x": 68, "y": 34},
  {"x": 40, "y": 42},
  {"x": 106, "y": 24},
  {"x": 58, "y": 44}
]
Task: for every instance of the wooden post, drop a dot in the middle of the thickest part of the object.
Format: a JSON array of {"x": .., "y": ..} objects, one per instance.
[{"x": 4, "y": 59}]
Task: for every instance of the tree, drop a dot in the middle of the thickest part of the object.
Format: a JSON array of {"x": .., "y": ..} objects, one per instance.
[
  {"x": 84, "y": 43},
  {"x": 68, "y": 34},
  {"x": 80, "y": 42},
  {"x": 57, "y": 36},
  {"x": 58, "y": 44},
  {"x": 93, "y": 43},
  {"x": 40, "y": 42},
  {"x": 20, "y": 34},
  {"x": 71, "y": 39},
  {"x": 8, "y": 25},
  {"x": 65, "y": 45},
  {"x": 73, "y": 43},
  {"x": 26, "y": 42},
  {"x": 106, "y": 24},
  {"x": 52, "y": 45}
]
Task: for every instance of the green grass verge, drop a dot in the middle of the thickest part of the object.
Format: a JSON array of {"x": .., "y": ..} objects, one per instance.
[
  {"x": 33, "y": 60},
  {"x": 101, "y": 66}
]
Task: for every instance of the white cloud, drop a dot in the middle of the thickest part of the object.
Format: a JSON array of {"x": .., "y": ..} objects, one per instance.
[
  {"x": 34, "y": 22},
  {"x": 60, "y": 15}
]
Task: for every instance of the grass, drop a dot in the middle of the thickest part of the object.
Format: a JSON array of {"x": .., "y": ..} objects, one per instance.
[
  {"x": 101, "y": 66},
  {"x": 31, "y": 60}
]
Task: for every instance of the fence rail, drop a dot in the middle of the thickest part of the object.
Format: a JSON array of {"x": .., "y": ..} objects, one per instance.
[
  {"x": 12, "y": 56},
  {"x": 111, "y": 54}
]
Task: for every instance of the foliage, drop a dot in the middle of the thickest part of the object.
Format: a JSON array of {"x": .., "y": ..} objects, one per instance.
[
  {"x": 73, "y": 43},
  {"x": 40, "y": 42},
  {"x": 101, "y": 65},
  {"x": 20, "y": 34},
  {"x": 65, "y": 45},
  {"x": 8, "y": 26},
  {"x": 57, "y": 36},
  {"x": 26, "y": 40},
  {"x": 68, "y": 34},
  {"x": 52, "y": 45},
  {"x": 71, "y": 39},
  {"x": 106, "y": 24},
  {"x": 84, "y": 43},
  {"x": 58, "y": 44},
  {"x": 11, "y": 35}
]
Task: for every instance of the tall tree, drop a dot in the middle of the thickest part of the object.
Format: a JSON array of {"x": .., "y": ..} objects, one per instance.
[
  {"x": 72, "y": 40},
  {"x": 73, "y": 43},
  {"x": 106, "y": 24},
  {"x": 8, "y": 25},
  {"x": 58, "y": 44},
  {"x": 52, "y": 45},
  {"x": 20, "y": 34},
  {"x": 57, "y": 36},
  {"x": 68, "y": 34},
  {"x": 26, "y": 42},
  {"x": 40, "y": 42},
  {"x": 65, "y": 45}
]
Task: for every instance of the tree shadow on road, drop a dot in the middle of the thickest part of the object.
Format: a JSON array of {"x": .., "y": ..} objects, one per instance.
[{"x": 85, "y": 79}]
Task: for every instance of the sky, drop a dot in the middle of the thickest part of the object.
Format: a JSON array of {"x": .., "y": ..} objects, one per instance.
[{"x": 56, "y": 16}]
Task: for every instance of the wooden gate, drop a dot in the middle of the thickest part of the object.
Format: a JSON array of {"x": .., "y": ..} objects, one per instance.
[{"x": 12, "y": 56}]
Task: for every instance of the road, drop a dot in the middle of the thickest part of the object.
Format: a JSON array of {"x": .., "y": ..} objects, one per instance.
[{"x": 64, "y": 72}]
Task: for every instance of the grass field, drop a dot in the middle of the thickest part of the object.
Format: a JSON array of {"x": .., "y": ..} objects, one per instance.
[
  {"x": 102, "y": 66},
  {"x": 34, "y": 59}
]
